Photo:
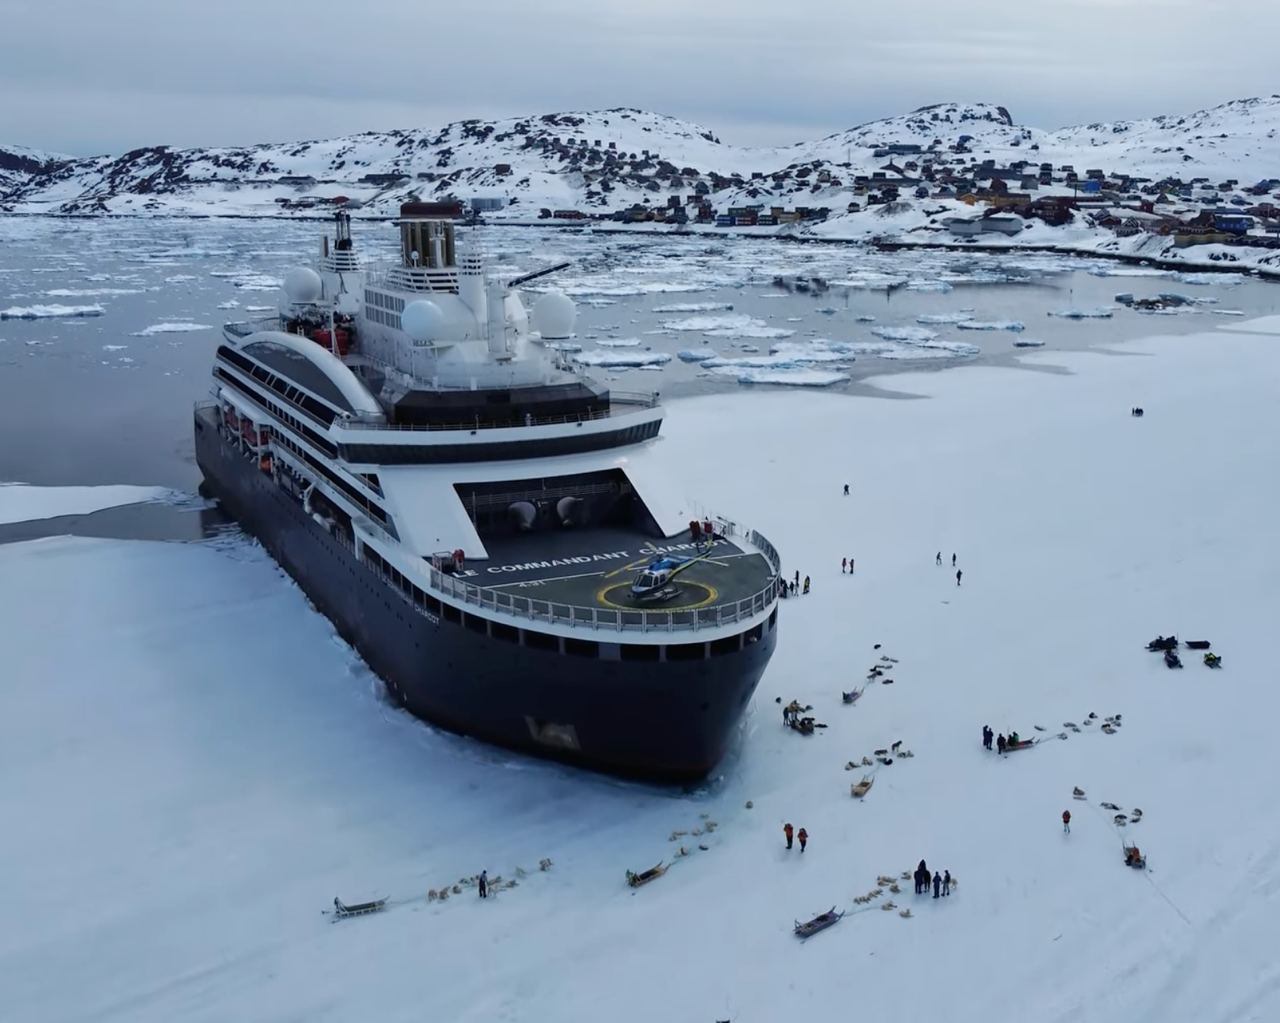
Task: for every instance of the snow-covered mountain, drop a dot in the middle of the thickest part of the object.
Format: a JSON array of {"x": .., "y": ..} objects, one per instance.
[
  {"x": 610, "y": 159},
  {"x": 18, "y": 165}
]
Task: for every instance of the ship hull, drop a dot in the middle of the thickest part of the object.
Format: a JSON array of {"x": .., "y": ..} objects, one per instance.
[{"x": 670, "y": 720}]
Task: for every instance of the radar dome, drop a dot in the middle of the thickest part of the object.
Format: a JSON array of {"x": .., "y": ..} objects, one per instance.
[
  {"x": 302, "y": 284},
  {"x": 553, "y": 315},
  {"x": 423, "y": 320}
]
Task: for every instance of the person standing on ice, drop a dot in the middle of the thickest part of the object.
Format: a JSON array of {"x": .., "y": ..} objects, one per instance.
[
  {"x": 953, "y": 561},
  {"x": 846, "y": 490},
  {"x": 986, "y": 737},
  {"x": 946, "y": 882},
  {"x": 484, "y": 884},
  {"x": 786, "y": 830},
  {"x": 938, "y": 559},
  {"x": 1066, "y": 821},
  {"x": 806, "y": 584},
  {"x": 804, "y": 838},
  {"x": 959, "y": 573},
  {"x": 851, "y": 566},
  {"x": 937, "y": 885},
  {"x": 1000, "y": 742},
  {"x": 844, "y": 563},
  {"x": 922, "y": 878}
]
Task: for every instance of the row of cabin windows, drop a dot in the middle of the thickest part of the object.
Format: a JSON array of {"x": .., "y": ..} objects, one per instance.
[
  {"x": 292, "y": 393},
  {"x": 382, "y": 316},
  {"x": 359, "y": 499},
  {"x": 278, "y": 411},
  {"x": 377, "y": 300}
]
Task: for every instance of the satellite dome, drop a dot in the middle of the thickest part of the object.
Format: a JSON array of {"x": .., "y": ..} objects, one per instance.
[
  {"x": 423, "y": 320},
  {"x": 553, "y": 315},
  {"x": 302, "y": 285}
]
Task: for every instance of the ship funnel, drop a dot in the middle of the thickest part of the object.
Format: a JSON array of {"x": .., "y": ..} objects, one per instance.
[{"x": 427, "y": 234}]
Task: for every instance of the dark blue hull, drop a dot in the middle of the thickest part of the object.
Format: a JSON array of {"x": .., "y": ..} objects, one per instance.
[{"x": 669, "y": 720}]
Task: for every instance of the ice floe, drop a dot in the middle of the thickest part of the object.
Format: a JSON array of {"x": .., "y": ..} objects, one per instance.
[
  {"x": 694, "y": 307},
  {"x": 1027, "y": 342},
  {"x": 21, "y": 502},
  {"x": 49, "y": 312},
  {"x": 619, "y": 342},
  {"x": 943, "y": 318},
  {"x": 622, "y": 359},
  {"x": 796, "y": 376},
  {"x": 1104, "y": 312},
  {"x": 1225, "y": 279},
  {"x": 696, "y": 355},
  {"x": 932, "y": 350},
  {"x": 90, "y": 292},
  {"x": 170, "y": 327},
  {"x": 911, "y": 335},
  {"x": 991, "y": 325}
]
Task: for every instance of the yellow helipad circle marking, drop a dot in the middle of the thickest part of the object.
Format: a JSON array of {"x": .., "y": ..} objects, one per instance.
[{"x": 712, "y": 595}]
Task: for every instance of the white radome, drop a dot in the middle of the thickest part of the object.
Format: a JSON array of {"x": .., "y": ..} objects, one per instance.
[
  {"x": 553, "y": 316},
  {"x": 423, "y": 321},
  {"x": 302, "y": 285}
]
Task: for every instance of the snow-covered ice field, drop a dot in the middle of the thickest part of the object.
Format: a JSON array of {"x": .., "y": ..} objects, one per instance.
[{"x": 192, "y": 765}]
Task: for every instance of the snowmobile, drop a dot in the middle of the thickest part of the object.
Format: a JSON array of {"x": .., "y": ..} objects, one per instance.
[
  {"x": 1172, "y": 660},
  {"x": 1212, "y": 660},
  {"x": 1163, "y": 643}
]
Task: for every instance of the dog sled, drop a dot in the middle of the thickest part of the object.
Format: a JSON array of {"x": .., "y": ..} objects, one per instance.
[
  {"x": 1212, "y": 661},
  {"x": 1009, "y": 747},
  {"x": 819, "y": 923},
  {"x": 1133, "y": 858},
  {"x": 1163, "y": 643},
  {"x": 851, "y": 697},
  {"x": 1198, "y": 644},
  {"x": 635, "y": 880},
  {"x": 341, "y": 910},
  {"x": 804, "y": 726},
  {"x": 860, "y": 788}
]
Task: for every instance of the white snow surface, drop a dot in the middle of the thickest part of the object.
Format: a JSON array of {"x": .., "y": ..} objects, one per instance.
[
  {"x": 23, "y": 502},
  {"x": 206, "y": 765}
]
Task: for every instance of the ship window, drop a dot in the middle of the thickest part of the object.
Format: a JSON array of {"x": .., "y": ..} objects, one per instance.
[
  {"x": 475, "y": 623},
  {"x": 753, "y": 636},
  {"x": 541, "y": 641},
  {"x": 773, "y": 617},
  {"x": 728, "y": 645},
  {"x": 451, "y": 613},
  {"x": 686, "y": 651},
  {"x": 582, "y": 647},
  {"x": 639, "y": 652},
  {"x": 506, "y": 633}
]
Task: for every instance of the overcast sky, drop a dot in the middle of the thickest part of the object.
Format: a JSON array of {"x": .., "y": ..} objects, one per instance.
[{"x": 93, "y": 76}]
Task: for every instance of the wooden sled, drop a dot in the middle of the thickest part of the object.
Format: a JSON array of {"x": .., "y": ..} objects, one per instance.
[
  {"x": 1198, "y": 644},
  {"x": 644, "y": 877},
  {"x": 341, "y": 910},
  {"x": 1137, "y": 862},
  {"x": 861, "y": 788},
  {"x": 851, "y": 697},
  {"x": 819, "y": 923},
  {"x": 1009, "y": 747}
]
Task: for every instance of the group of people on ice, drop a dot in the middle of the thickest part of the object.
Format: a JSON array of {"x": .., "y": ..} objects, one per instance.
[
  {"x": 1002, "y": 744},
  {"x": 789, "y": 833},
  {"x": 792, "y": 588},
  {"x": 937, "y": 560},
  {"x": 941, "y": 882}
]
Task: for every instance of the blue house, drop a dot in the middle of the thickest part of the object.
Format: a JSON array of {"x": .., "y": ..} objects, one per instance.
[{"x": 1232, "y": 223}]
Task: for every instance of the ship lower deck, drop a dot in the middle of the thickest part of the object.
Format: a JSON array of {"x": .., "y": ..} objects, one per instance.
[{"x": 595, "y": 568}]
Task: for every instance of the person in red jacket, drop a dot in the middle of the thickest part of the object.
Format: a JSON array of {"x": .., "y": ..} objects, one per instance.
[
  {"x": 1066, "y": 821},
  {"x": 786, "y": 830},
  {"x": 804, "y": 838}
]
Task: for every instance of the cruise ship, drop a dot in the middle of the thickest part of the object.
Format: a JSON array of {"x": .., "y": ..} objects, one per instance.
[{"x": 493, "y": 530}]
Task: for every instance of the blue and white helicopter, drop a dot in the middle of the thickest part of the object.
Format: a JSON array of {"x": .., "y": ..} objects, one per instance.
[{"x": 656, "y": 581}]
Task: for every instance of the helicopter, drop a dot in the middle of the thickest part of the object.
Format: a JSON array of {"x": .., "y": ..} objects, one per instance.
[{"x": 656, "y": 581}]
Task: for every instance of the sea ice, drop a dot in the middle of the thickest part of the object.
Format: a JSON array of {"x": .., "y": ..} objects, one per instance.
[
  {"x": 619, "y": 342},
  {"x": 943, "y": 318},
  {"x": 696, "y": 355},
  {"x": 621, "y": 359},
  {"x": 911, "y": 335},
  {"x": 21, "y": 502},
  {"x": 49, "y": 312},
  {"x": 991, "y": 325},
  {"x": 694, "y": 307},
  {"x": 796, "y": 376},
  {"x": 170, "y": 327},
  {"x": 1100, "y": 313}
]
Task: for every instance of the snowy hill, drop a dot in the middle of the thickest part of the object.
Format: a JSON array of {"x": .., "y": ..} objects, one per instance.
[
  {"x": 600, "y": 161},
  {"x": 18, "y": 165}
]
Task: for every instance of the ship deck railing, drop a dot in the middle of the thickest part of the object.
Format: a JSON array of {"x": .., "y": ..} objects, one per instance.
[
  {"x": 602, "y": 619},
  {"x": 628, "y": 402}
]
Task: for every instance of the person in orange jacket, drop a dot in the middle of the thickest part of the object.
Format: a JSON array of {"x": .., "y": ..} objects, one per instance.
[
  {"x": 804, "y": 838},
  {"x": 1066, "y": 821},
  {"x": 786, "y": 830}
]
